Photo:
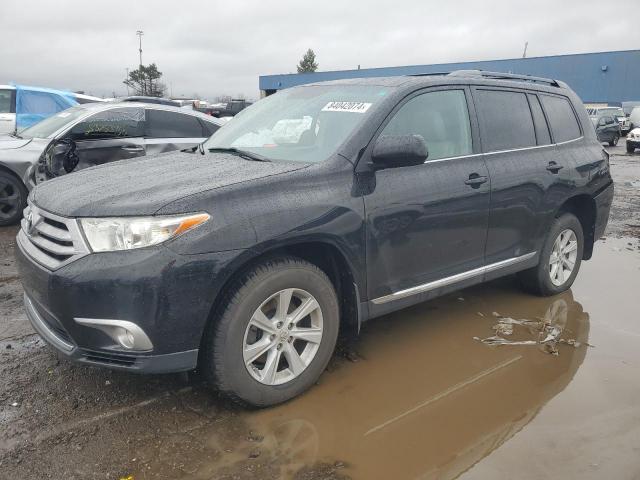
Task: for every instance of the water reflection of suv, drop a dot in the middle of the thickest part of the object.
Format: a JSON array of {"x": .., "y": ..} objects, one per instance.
[{"x": 316, "y": 209}]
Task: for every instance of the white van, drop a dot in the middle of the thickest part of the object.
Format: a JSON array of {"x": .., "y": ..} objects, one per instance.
[{"x": 47, "y": 102}]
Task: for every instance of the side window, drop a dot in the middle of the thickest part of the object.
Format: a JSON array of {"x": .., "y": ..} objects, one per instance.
[
  {"x": 542, "y": 130},
  {"x": 165, "y": 124},
  {"x": 208, "y": 128},
  {"x": 562, "y": 120},
  {"x": 505, "y": 120},
  {"x": 441, "y": 117},
  {"x": 114, "y": 123}
]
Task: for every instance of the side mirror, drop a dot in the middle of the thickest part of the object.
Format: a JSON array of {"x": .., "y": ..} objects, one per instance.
[
  {"x": 602, "y": 122},
  {"x": 392, "y": 151}
]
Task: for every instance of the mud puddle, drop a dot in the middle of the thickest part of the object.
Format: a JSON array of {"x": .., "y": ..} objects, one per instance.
[{"x": 423, "y": 399}]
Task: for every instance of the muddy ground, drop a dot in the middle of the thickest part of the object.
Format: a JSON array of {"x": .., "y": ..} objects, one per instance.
[{"x": 415, "y": 396}]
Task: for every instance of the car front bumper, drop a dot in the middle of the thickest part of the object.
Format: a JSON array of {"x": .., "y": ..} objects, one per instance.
[
  {"x": 633, "y": 143},
  {"x": 165, "y": 295}
]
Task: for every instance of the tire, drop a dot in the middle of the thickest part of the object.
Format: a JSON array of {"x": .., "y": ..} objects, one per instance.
[
  {"x": 13, "y": 198},
  {"x": 233, "y": 331},
  {"x": 614, "y": 141},
  {"x": 538, "y": 280},
  {"x": 630, "y": 149}
]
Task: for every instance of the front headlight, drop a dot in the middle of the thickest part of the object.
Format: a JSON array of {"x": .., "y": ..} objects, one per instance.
[{"x": 126, "y": 233}]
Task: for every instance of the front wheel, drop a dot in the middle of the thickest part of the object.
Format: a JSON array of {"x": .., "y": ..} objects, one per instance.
[
  {"x": 614, "y": 141},
  {"x": 273, "y": 334},
  {"x": 560, "y": 258},
  {"x": 13, "y": 198},
  {"x": 630, "y": 148}
]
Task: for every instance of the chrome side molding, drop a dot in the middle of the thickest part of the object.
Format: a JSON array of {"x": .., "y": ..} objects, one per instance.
[{"x": 459, "y": 277}]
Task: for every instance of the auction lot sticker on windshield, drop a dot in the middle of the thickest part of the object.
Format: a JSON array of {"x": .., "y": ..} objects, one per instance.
[{"x": 354, "y": 107}]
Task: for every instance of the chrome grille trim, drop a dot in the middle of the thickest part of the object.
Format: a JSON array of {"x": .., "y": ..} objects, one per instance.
[{"x": 40, "y": 233}]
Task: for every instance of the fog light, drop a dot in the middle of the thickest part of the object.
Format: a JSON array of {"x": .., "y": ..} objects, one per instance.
[{"x": 127, "y": 334}]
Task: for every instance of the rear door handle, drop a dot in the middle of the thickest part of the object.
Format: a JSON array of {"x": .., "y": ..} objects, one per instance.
[
  {"x": 475, "y": 180},
  {"x": 132, "y": 148},
  {"x": 553, "y": 167}
]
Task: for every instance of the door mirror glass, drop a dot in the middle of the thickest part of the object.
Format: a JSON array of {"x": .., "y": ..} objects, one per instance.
[
  {"x": 602, "y": 122},
  {"x": 399, "y": 151}
]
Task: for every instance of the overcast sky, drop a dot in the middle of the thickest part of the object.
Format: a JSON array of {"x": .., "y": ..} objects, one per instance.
[{"x": 214, "y": 47}]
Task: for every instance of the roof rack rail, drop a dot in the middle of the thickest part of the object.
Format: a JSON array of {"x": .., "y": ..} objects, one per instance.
[
  {"x": 427, "y": 74},
  {"x": 504, "y": 76}
]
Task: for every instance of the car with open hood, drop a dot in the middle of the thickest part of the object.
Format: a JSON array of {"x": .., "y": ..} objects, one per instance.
[{"x": 314, "y": 210}]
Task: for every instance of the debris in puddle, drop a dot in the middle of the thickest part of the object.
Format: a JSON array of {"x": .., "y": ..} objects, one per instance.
[
  {"x": 546, "y": 331},
  {"x": 254, "y": 453},
  {"x": 480, "y": 313},
  {"x": 461, "y": 299},
  {"x": 14, "y": 404}
]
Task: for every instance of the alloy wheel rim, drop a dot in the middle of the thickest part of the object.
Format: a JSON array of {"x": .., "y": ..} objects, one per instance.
[
  {"x": 563, "y": 257},
  {"x": 9, "y": 199},
  {"x": 282, "y": 336}
]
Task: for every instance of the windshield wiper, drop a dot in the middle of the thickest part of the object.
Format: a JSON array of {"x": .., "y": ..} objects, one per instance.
[
  {"x": 240, "y": 153},
  {"x": 15, "y": 135}
]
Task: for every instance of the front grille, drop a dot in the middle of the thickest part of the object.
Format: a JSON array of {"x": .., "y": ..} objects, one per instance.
[
  {"x": 50, "y": 240},
  {"x": 108, "y": 358}
]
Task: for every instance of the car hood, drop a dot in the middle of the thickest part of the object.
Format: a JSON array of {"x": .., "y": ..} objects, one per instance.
[
  {"x": 8, "y": 142},
  {"x": 142, "y": 186}
]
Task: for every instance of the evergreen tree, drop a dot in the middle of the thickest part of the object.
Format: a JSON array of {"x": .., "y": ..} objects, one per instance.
[{"x": 308, "y": 63}]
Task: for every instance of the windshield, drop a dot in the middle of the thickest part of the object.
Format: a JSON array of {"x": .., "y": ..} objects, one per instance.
[
  {"x": 47, "y": 127},
  {"x": 617, "y": 112},
  {"x": 305, "y": 124}
]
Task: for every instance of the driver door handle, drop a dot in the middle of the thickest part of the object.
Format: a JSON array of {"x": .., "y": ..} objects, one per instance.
[
  {"x": 475, "y": 180},
  {"x": 553, "y": 167}
]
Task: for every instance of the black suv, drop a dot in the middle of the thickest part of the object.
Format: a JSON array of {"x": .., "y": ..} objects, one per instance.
[{"x": 314, "y": 210}]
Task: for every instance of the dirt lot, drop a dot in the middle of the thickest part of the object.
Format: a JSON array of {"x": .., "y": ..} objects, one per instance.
[{"x": 416, "y": 395}]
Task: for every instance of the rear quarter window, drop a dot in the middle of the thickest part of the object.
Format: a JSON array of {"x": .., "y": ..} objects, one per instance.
[
  {"x": 505, "y": 120},
  {"x": 7, "y": 101},
  {"x": 562, "y": 119},
  {"x": 208, "y": 128}
]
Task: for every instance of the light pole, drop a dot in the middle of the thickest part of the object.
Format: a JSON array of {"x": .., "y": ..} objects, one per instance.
[
  {"x": 127, "y": 78},
  {"x": 140, "y": 33}
]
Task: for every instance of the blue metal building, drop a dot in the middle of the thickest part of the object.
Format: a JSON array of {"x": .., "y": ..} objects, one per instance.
[{"x": 604, "y": 77}]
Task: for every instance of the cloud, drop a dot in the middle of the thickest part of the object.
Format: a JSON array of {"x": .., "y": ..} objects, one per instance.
[{"x": 215, "y": 47}]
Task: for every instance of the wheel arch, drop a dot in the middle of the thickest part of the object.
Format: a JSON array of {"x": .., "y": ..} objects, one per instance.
[
  {"x": 323, "y": 253},
  {"x": 583, "y": 206}
]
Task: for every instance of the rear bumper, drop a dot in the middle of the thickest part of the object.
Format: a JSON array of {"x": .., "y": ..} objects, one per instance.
[{"x": 603, "y": 206}]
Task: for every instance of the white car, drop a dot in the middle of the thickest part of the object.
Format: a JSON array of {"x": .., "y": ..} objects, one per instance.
[
  {"x": 34, "y": 104},
  {"x": 633, "y": 140}
]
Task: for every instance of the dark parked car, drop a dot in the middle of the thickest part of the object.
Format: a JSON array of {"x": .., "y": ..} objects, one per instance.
[
  {"x": 88, "y": 135},
  {"x": 607, "y": 129},
  {"x": 314, "y": 210},
  {"x": 230, "y": 109}
]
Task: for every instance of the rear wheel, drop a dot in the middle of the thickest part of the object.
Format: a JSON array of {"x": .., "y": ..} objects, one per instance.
[
  {"x": 560, "y": 258},
  {"x": 274, "y": 333},
  {"x": 13, "y": 198},
  {"x": 614, "y": 141}
]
